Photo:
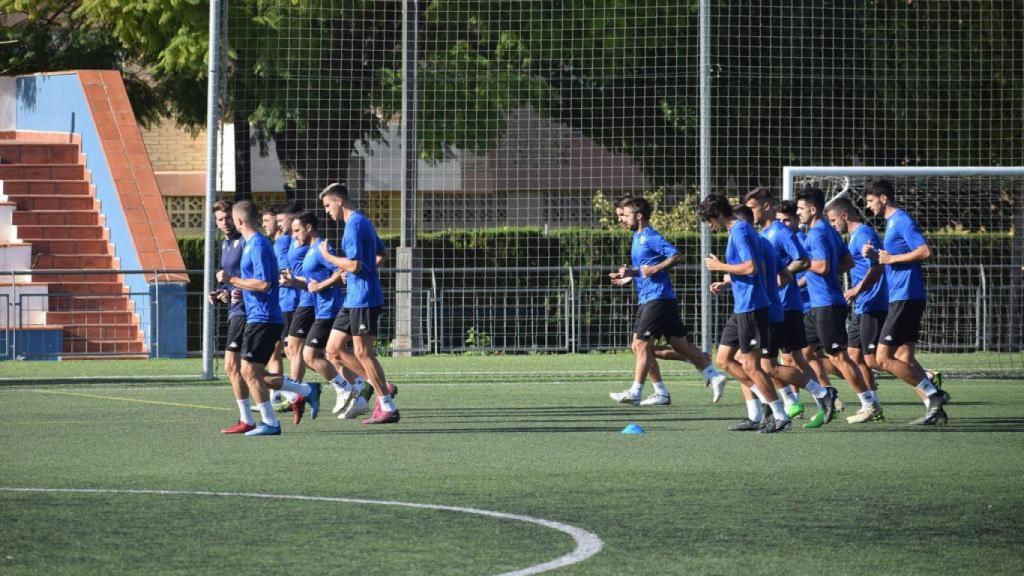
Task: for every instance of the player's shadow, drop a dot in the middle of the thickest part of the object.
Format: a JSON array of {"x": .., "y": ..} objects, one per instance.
[{"x": 954, "y": 425}]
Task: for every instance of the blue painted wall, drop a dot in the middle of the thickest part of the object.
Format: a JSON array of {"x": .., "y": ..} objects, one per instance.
[{"x": 46, "y": 103}]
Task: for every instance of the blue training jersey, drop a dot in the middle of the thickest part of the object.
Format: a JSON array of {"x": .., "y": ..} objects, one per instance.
[
  {"x": 296, "y": 254},
  {"x": 748, "y": 291},
  {"x": 906, "y": 280},
  {"x": 877, "y": 297},
  {"x": 788, "y": 247},
  {"x": 824, "y": 243},
  {"x": 360, "y": 242},
  {"x": 258, "y": 262},
  {"x": 771, "y": 281},
  {"x": 805, "y": 295},
  {"x": 649, "y": 249},
  {"x": 231, "y": 262},
  {"x": 287, "y": 296},
  {"x": 326, "y": 302}
]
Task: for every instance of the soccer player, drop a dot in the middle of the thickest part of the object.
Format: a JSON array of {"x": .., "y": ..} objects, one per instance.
[
  {"x": 870, "y": 298},
  {"x": 827, "y": 319},
  {"x": 747, "y": 328},
  {"x": 364, "y": 299},
  {"x": 258, "y": 282},
  {"x": 323, "y": 281},
  {"x": 789, "y": 336},
  {"x": 658, "y": 314},
  {"x": 904, "y": 249},
  {"x": 712, "y": 378},
  {"x": 268, "y": 220},
  {"x": 230, "y": 261},
  {"x": 289, "y": 297}
]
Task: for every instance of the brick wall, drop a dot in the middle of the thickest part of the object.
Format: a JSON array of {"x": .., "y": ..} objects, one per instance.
[{"x": 172, "y": 149}]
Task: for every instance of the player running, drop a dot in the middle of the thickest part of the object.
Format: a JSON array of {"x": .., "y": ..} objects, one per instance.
[
  {"x": 258, "y": 282},
  {"x": 747, "y": 328},
  {"x": 904, "y": 249},
  {"x": 658, "y": 314}
]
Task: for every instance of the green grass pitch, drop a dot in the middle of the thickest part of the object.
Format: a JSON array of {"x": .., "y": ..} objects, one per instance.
[{"x": 528, "y": 435}]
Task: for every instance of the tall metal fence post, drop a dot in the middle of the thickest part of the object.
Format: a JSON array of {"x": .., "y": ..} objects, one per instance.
[
  {"x": 407, "y": 321},
  {"x": 212, "y": 109},
  {"x": 704, "y": 15}
]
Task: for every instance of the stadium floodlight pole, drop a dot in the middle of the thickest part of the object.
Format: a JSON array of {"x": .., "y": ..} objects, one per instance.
[
  {"x": 405, "y": 284},
  {"x": 212, "y": 93},
  {"x": 704, "y": 16}
]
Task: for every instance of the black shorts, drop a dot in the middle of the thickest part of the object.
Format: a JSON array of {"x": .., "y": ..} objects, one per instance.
[
  {"x": 830, "y": 327},
  {"x": 790, "y": 336},
  {"x": 358, "y": 321},
  {"x": 865, "y": 329},
  {"x": 319, "y": 333},
  {"x": 259, "y": 342},
  {"x": 236, "y": 331},
  {"x": 811, "y": 331},
  {"x": 747, "y": 331},
  {"x": 903, "y": 324},
  {"x": 287, "y": 322},
  {"x": 659, "y": 318},
  {"x": 301, "y": 322}
]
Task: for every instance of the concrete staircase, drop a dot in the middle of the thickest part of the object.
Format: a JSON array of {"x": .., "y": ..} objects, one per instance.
[{"x": 55, "y": 225}]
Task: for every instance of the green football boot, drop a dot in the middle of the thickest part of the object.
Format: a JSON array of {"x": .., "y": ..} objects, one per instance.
[
  {"x": 795, "y": 411},
  {"x": 817, "y": 421}
]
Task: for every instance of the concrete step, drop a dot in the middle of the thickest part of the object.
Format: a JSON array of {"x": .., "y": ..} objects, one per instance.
[
  {"x": 85, "y": 346},
  {"x": 54, "y": 202},
  {"x": 47, "y": 187},
  {"x": 32, "y": 232},
  {"x": 101, "y": 332},
  {"x": 73, "y": 262},
  {"x": 112, "y": 289},
  {"x": 16, "y": 152},
  {"x": 10, "y": 172},
  {"x": 89, "y": 303},
  {"x": 91, "y": 317},
  {"x": 71, "y": 246},
  {"x": 57, "y": 218}
]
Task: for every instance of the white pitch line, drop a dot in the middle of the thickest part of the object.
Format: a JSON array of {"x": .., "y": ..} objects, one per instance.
[{"x": 587, "y": 543}]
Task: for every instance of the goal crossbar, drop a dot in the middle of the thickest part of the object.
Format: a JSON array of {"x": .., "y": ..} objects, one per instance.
[{"x": 791, "y": 172}]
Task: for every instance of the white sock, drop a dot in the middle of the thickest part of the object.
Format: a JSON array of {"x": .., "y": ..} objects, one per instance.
[
  {"x": 386, "y": 404},
  {"x": 340, "y": 384},
  {"x": 267, "y": 412},
  {"x": 873, "y": 396},
  {"x": 636, "y": 389},
  {"x": 359, "y": 384},
  {"x": 659, "y": 387},
  {"x": 709, "y": 372},
  {"x": 816, "y": 390},
  {"x": 788, "y": 398},
  {"x": 760, "y": 396},
  {"x": 865, "y": 399},
  {"x": 245, "y": 411},
  {"x": 779, "y": 411},
  {"x": 927, "y": 387},
  {"x": 796, "y": 392},
  {"x": 297, "y": 387},
  {"x": 754, "y": 410},
  {"x": 287, "y": 395}
]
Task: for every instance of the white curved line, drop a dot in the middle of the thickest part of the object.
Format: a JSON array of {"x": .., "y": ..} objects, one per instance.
[{"x": 587, "y": 543}]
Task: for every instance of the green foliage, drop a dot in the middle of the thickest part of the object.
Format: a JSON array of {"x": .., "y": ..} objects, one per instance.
[
  {"x": 679, "y": 219},
  {"x": 477, "y": 338}
]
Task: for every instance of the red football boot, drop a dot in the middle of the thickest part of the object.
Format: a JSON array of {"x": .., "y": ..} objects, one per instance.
[
  {"x": 238, "y": 428},
  {"x": 298, "y": 407},
  {"x": 382, "y": 417}
]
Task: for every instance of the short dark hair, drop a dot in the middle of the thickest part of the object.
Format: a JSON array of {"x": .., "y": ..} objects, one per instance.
[
  {"x": 270, "y": 209},
  {"x": 843, "y": 204},
  {"x": 761, "y": 194},
  {"x": 879, "y": 188},
  {"x": 621, "y": 202},
  {"x": 813, "y": 196},
  {"x": 247, "y": 210},
  {"x": 223, "y": 206},
  {"x": 337, "y": 189},
  {"x": 640, "y": 206},
  {"x": 787, "y": 208},
  {"x": 743, "y": 212},
  {"x": 308, "y": 218},
  {"x": 289, "y": 208},
  {"x": 713, "y": 206}
]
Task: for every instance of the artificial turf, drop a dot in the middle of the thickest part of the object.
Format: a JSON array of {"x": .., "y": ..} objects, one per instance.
[{"x": 687, "y": 497}]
